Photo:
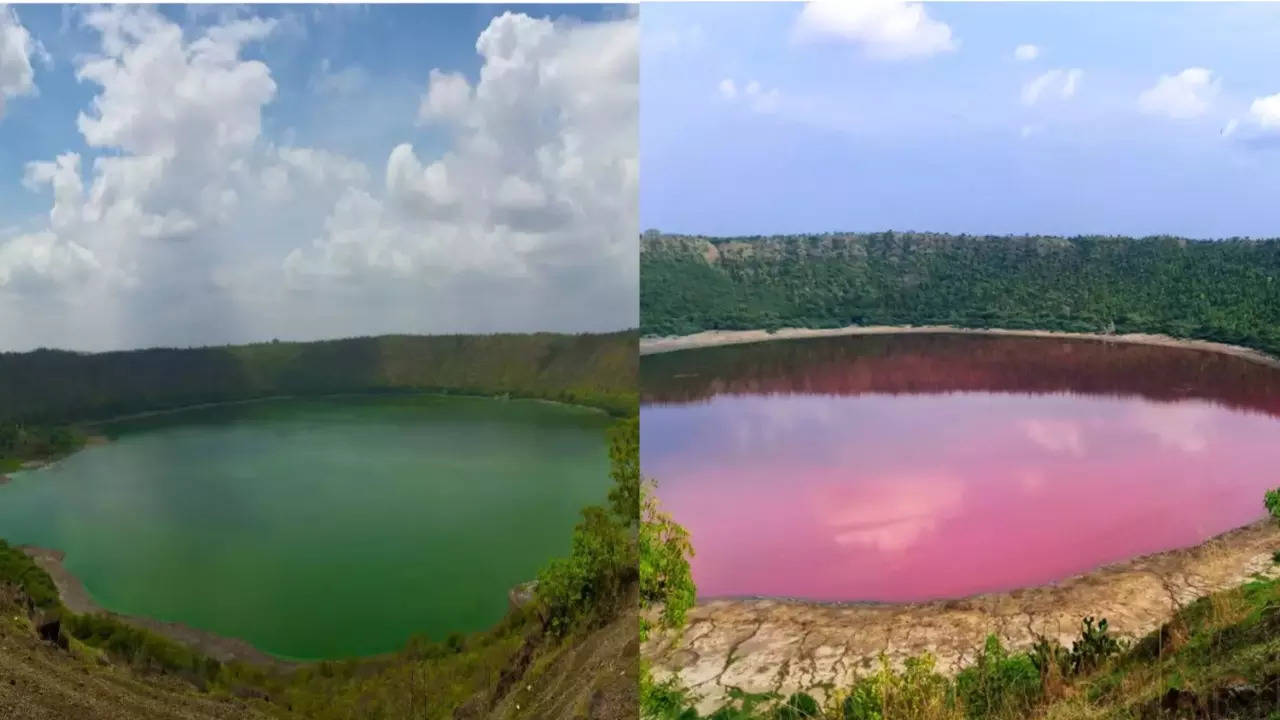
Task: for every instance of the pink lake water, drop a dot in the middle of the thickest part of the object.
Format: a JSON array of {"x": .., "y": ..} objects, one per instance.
[{"x": 916, "y": 467}]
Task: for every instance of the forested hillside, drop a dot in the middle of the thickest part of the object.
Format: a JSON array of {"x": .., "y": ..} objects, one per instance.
[
  {"x": 1226, "y": 291},
  {"x": 50, "y": 386}
]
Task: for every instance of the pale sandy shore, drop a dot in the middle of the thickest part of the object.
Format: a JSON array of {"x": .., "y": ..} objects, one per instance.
[
  {"x": 78, "y": 600},
  {"x": 710, "y": 338}
]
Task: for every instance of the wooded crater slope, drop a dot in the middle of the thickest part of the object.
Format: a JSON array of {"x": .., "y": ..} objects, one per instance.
[
  {"x": 1220, "y": 290},
  {"x": 55, "y": 386}
]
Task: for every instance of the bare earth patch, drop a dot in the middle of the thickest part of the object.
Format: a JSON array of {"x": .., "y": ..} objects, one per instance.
[
  {"x": 784, "y": 646},
  {"x": 711, "y": 338}
]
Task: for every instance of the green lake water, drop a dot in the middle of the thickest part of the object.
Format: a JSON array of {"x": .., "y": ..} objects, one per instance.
[{"x": 319, "y": 528}]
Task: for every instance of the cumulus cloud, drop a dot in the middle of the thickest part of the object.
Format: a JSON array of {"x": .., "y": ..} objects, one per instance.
[
  {"x": 17, "y": 48},
  {"x": 184, "y": 224},
  {"x": 551, "y": 199},
  {"x": 1057, "y": 82},
  {"x": 886, "y": 29},
  {"x": 728, "y": 89},
  {"x": 1188, "y": 94},
  {"x": 1026, "y": 53},
  {"x": 1265, "y": 112}
]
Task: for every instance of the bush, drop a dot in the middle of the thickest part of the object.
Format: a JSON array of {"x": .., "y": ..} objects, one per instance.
[
  {"x": 799, "y": 706},
  {"x": 18, "y": 569},
  {"x": 1272, "y": 501},
  {"x": 665, "y": 576},
  {"x": 588, "y": 586},
  {"x": 1095, "y": 646},
  {"x": 999, "y": 684}
]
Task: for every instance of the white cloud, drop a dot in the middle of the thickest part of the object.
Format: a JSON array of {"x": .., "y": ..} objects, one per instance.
[
  {"x": 886, "y": 29},
  {"x": 1265, "y": 112},
  {"x": 728, "y": 89},
  {"x": 1185, "y": 95},
  {"x": 448, "y": 98},
  {"x": 1026, "y": 53},
  {"x": 540, "y": 183},
  {"x": 17, "y": 48},
  {"x": 39, "y": 259},
  {"x": 183, "y": 224},
  {"x": 1062, "y": 82}
]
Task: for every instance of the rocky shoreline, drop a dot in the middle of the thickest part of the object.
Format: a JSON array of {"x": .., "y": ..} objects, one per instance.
[{"x": 786, "y": 646}]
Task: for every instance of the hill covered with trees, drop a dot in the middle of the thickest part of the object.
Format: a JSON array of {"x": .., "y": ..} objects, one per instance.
[
  {"x": 56, "y": 387},
  {"x": 1224, "y": 290}
]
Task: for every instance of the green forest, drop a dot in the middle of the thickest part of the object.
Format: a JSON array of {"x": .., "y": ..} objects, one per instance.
[
  {"x": 55, "y": 386},
  {"x": 1223, "y": 290}
]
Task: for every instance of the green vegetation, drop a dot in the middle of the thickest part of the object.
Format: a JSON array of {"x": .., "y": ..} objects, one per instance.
[
  {"x": 667, "y": 590},
  {"x": 1226, "y": 291},
  {"x": 20, "y": 443},
  {"x": 21, "y": 571},
  {"x": 57, "y": 387},
  {"x": 601, "y": 567},
  {"x": 1272, "y": 501},
  {"x": 666, "y": 581}
]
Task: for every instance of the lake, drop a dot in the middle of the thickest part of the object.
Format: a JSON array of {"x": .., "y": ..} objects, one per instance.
[
  {"x": 920, "y": 466},
  {"x": 319, "y": 528}
]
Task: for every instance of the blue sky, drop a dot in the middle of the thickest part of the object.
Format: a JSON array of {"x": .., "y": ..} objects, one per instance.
[
  {"x": 1132, "y": 119},
  {"x": 174, "y": 175}
]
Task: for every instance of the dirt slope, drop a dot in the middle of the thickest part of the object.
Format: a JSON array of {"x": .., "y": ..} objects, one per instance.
[{"x": 40, "y": 681}]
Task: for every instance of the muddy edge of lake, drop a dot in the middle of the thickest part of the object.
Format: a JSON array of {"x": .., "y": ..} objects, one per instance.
[
  {"x": 786, "y": 646},
  {"x": 710, "y": 338},
  {"x": 78, "y": 600}
]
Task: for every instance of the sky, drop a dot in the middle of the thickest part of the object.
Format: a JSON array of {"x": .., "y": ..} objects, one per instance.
[
  {"x": 186, "y": 175},
  {"x": 1002, "y": 118}
]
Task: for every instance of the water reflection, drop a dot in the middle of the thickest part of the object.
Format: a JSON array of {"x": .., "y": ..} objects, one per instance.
[{"x": 913, "y": 467}]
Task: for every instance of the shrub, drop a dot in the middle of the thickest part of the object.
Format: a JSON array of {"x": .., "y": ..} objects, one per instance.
[
  {"x": 1272, "y": 501},
  {"x": 588, "y": 585},
  {"x": 665, "y": 576},
  {"x": 999, "y": 684},
  {"x": 918, "y": 692},
  {"x": 799, "y": 706},
  {"x": 1095, "y": 646},
  {"x": 18, "y": 569}
]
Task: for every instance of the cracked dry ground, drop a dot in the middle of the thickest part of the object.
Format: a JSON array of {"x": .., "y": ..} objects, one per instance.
[{"x": 762, "y": 645}]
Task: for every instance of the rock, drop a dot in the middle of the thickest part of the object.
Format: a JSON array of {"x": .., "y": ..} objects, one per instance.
[
  {"x": 5, "y": 479},
  {"x": 48, "y": 625},
  {"x": 522, "y": 595}
]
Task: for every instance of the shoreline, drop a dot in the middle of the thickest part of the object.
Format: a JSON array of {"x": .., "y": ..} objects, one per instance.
[
  {"x": 786, "y": 645},
  {"x": 373, "y": 394},
  {"x": 223, "y": 648},
  {"x": 652, "y": 345},
  {"x": 95, "y": 439}
]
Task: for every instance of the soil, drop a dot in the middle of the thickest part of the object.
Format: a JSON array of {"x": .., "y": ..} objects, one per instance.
[
  {"x": 784, "y": 646},
  {"x": 710, "y": 338},
  {"x": 40, "y": 681}
]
